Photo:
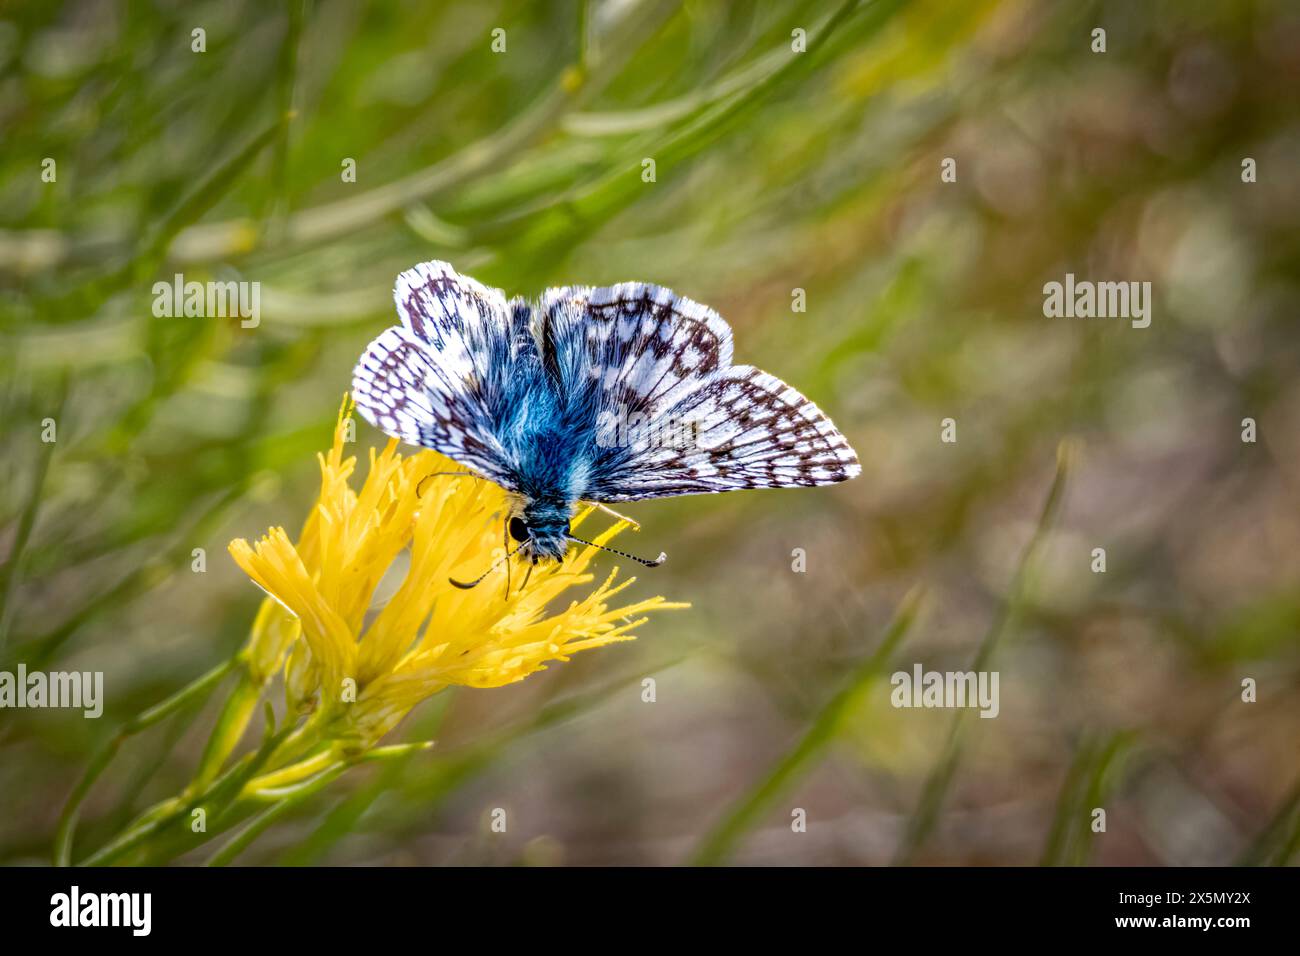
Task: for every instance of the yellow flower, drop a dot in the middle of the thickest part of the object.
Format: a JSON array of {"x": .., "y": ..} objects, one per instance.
[{"x": 362, "y": 669}]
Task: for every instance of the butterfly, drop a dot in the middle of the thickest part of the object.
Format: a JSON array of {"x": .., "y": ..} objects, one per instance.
[{"x": 602, "y": 395}]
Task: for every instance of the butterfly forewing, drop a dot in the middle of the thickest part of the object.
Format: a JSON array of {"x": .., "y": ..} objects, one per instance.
[
  {"x": 643, "y": 347},
  {"x": 441, "y": 378},
  {"x": 566, "y": 401}
]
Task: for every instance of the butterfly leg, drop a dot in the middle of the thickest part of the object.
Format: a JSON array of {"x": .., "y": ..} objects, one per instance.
[{"x": 636, "y": 525}]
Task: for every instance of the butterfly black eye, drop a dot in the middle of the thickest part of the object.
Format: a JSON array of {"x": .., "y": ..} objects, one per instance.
[{"x": 518, "y": 530}]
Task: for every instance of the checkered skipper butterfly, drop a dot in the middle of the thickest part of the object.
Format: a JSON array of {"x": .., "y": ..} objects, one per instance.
[{"x": 592, "y": 394}]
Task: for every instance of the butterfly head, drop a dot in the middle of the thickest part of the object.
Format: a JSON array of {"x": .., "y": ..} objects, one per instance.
[{"x": 542, "y": 532}]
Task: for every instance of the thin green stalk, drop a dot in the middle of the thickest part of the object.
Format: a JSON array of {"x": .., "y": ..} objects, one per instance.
[
  {"x": 216, "y": 798},
  {"x": 192, "y": 694},
  {"x": 291, "y": 797},
  {"x": 203, "y": 242},
  {"x": 583, "y": 28},
  {"x": 153, "y": 821},
  {"x": 746, "y": 812},
  {"x": 27, "y": 520},
  {"x": 230, "y": 786},
  {"x": 267, "y": 787},
  {"x": 1067, "y": 804},
  {"x": 231, "y": 724},
  {"x": 1290, "y": 846},
  {"x": 343, "y": 817},
  {"x": 935, "y": 790},
  {"x": 1086, "y": 784},
  {"x": 597, "y": 201},
  {"x": 286, "y": 79},
  {"x": 204, "y": 195},
  {"x": 138, "y": 778},
  {"x": 1279, "y": 841},
  {"x": 143, "y": 578},
  {"x": 425, "y": 794}
]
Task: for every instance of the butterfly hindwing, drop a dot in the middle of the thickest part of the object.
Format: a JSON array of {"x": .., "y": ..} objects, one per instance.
[{"x": 442, "y": 377}]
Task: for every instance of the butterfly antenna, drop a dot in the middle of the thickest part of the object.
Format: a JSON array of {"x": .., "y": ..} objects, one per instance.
[
  {"x": 646, "y": 561},
  {"x": 466, "y": 585}
]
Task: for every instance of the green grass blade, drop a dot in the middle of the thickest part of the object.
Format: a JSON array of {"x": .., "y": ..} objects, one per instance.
[
  {"x": 1090, "y": 777},
  {"x": 748, "y": 810},
  {"x": 9, "y": 574},
  {"x": 190, "y": 695},
  {"x": 935, "y": 789},
  {"x": 1279, "y": 841}
]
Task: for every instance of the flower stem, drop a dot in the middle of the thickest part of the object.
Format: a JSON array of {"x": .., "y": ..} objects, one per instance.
[
  {"x": 289, "y": 799},
  {"x": 291, "y": 774},
  {"x": 230, "y": 727},
  {"x": 146, "y": 826},
  {"x": 191, "y": 694}
]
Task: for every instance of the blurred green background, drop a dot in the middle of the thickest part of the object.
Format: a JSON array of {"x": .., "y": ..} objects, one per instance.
[{"x": 775, "y": 171}]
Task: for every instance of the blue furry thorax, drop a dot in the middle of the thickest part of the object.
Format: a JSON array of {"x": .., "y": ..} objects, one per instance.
[{"x": 546, "y": 434}]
